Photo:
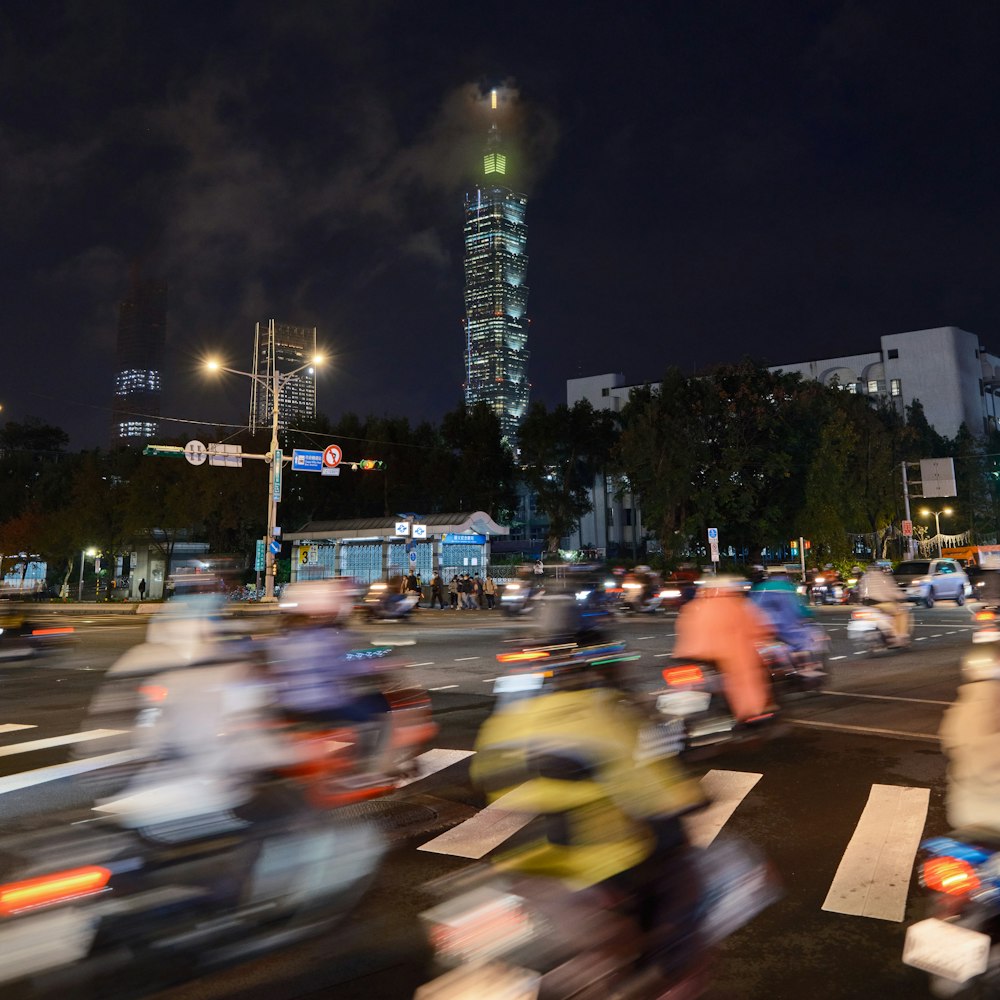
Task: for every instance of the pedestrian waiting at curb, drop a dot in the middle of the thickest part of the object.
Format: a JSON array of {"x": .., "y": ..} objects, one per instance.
[
  {"x": 490, "y": 592},
  {"x": 453, "y": 592},
  {"x": 437, "y": 590}
]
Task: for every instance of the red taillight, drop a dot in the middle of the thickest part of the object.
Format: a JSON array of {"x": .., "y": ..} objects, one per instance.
[
  {"x": 51, "y": 631},
  {"x": 985, "y": 616},
  {"x": 153, "y": 692},
  {"x": 950, "y": 875},
  {"x": 523, "y": 657},
  {"x": 863, "y": 614},
  {"x": 689, "y": 674},
  {"x": 54, "y": 888}
]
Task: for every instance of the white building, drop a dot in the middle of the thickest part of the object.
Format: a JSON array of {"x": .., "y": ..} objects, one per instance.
[
  {"x": 946, "y": 368},
  {"x": 614, "y": 526}
]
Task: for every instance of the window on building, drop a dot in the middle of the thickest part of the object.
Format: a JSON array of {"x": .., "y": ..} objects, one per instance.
[
  {"x": 895, "y": 387},
  {"x": 872, "y": 387},
  {"x": 893, "y": 353},
  {"x": 605, "y": 391},
  {"x": 627, "y": 512},
  {"x": 852, "y": 387}
]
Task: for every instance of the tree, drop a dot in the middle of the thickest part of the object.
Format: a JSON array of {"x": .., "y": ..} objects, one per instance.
[
  {"x": 480, "y": 467},
  {"x": 561, "y": 452}
]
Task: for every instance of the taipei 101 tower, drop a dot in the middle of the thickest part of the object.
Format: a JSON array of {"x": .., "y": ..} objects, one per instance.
[{"x": 496, "y": 296}]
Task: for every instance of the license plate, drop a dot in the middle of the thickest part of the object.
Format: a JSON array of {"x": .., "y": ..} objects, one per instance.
[
  {"x": 34, "y": 944},
  {"x": 683, "y": 702},
  {"x": 946, "y": 950}
]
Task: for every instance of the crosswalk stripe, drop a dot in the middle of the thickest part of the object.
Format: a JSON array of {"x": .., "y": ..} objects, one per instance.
[
  {"x": 59, "y": 741},
  {"x": 477, "y": 836},
  {"x": 432, "y": 761},
  {"x": 11, "y": 727},
  {"x": 873, "y": 878},
  {"x": 26, "y": 779},
  {"x": 725, "y": 790}
]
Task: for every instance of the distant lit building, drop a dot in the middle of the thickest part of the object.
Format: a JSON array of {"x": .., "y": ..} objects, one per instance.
[
  {"x": 285, "y": 347},
  {"x": 142, "y": 331},
  {"x": 496, "y": 264},
  {"x": 956, "y": 380}
]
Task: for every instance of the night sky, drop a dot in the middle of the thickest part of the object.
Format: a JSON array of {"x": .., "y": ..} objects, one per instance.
[{"x": 707, "y": 180}]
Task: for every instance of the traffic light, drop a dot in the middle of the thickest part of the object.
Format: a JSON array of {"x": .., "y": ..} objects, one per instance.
[{"x": 368, "y": 465}]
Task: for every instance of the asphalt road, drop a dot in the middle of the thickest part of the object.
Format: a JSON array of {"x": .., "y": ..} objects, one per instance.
[{"x": 871, "y": 734}]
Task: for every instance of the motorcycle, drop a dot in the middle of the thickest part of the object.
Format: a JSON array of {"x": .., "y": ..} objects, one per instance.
[
  {"x": 695, "y": 711},
  {"x": 873, "y": 629},
  {"x": 100, "y": 910},
  {"x": 519, "y": 936},
  {"x": 958, "y": 944},
  {"x": 642, "y": 598},
  {"x": 383, "y": 604},
  {"x": 518, "y": 598},
  {"x": 23, "y": 636}
]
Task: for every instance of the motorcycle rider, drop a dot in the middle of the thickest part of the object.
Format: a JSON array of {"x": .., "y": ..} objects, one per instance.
[
  {"x": 722, "y": 626},
  {"x": 611, "y": 816},
  {"x": 793, "y": 622},
  {"x": 970, "y": 738},
  {"x": 320, "y": 679},
  {"x": 879, "y": 587}
]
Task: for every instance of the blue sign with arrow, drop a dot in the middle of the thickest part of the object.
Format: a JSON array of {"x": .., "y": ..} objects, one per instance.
[{"x": 304, "y": 460}]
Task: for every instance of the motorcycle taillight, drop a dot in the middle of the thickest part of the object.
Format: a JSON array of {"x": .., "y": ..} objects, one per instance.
[
  {"x": 54, "y": 888},
  {"x": 689, "y": 673},
  {"x": 952, "y": 876}
]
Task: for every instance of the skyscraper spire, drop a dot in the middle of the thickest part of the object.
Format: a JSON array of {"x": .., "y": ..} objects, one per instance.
[{"x": 496, "y": 262}]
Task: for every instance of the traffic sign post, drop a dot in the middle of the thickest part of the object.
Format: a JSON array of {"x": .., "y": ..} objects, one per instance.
[
  {"x": 196, "y": 453},
  {"x": 713, "y": 546},
  {"x": 332, "y": 455}
]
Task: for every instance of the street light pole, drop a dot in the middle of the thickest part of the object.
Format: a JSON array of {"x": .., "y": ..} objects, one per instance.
[
  {"x": 937, "y": 523},
  {"x": 83, "y": 555},
  {"x": 275, "y": 380}
]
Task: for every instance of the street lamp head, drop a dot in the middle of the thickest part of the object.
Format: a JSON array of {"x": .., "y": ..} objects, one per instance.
[
  {"x": 212, "y": 365},
  {"x": 91, "y": 552},
  {"x": 318, "y": 359},
  {"x": 924, "y": 512},
  {"x": 947, "y": 510}
]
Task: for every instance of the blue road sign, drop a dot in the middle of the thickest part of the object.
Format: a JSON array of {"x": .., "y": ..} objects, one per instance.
[
  {"x": 304, "y": 460},
  {"x": 713, "y": 534},
  {"x": 275, "y": 547}
]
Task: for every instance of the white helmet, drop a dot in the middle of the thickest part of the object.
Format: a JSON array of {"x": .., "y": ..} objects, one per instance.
[
  {"x": 723, "y": 581},
  {"x": 332, "y": 598}
]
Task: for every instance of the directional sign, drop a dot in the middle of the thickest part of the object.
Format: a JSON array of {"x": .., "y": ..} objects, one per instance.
[
  {"x": 402, "y": 527},
  {"x": 276, "y": 492},
  {"x": 412, "y": 555},
  {"x": 332, "y": 456},
  {"x": 307, "y": 461},
  {"x": 275, "y": 547},
  {"x": 195, "y": 452},
  {"x": 420, "y": 531},
  {"x": 713, "y": 534}
]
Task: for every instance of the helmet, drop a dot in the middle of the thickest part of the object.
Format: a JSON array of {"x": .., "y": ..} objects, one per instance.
[{"x": 332, "y": 598}]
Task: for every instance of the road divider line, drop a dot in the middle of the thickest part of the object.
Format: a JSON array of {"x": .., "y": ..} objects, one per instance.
[
  {"x": 936, "y": 635},
  {"x": 443, "y": 687},
  {"x": 657, "y": 655},
  {"x": 639, "y": 638},
  {"x": 10, "y": 727},
  {"x": 885, "y": 697},
  {"x": 462, "y": 659},
  {"x": 832, "y": 658},
  {"x": 920, "y": 638},
  {"x": 59, "y": 741},
  {"x": 866, "y": 730},
  {"x": 432, "y": 761},
  {"x": 873, "y": 878},
  {"x": 488, "y": 680},
  {"x": 426, "y": 663},
  {"x": 726, "y": 790}
]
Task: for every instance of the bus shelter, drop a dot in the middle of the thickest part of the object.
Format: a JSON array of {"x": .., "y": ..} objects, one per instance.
[{"x": 378, "y": 548}]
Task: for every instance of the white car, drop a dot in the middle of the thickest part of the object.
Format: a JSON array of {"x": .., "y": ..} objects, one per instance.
[{"x": 925, "y": 581}]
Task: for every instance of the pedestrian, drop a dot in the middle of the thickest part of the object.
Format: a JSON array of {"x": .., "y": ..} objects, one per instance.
[
  {"x": 539, "y": 567},
  {"x": 477, "y": 592},
  {"x": 142, "y": 589},
  {"x": 490, "y": 590},
  {"x": 453, "y": 592},
  {"x": 413, "y": 587},
  {"x": 437, "y": 590},
  {"x": 465, "y": 590}
]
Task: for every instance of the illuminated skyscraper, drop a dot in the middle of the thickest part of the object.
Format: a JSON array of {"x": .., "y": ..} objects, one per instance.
[
  {"x": 496, "y": 264},
  {"x": 142, "y": 330},
  {"x": 286, "y": 347}
]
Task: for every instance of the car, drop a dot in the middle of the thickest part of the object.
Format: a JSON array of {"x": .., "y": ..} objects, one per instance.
[{"x": 925, "y": 581}]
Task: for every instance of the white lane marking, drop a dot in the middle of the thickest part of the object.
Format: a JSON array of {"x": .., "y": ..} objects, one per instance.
[
  {"x": 639, "y": 638},
  {"x": 726, "y": 789},
  {"x": 477, "y": 836},
  {"x": 426, "y": 663},
  {"x": 844, "y": 657},
  {"x": 936, "y": 635},
  {"x": 861, "y": 652},
  {"x": 873, "y": 878},
  {"x": 432, "y": 761},
  {"x": 488, "y": 680},
  {"x": 655, "y": 655},
  {"x": 59, "y": 741},
  {"x": 885, "y": 697},
  {"x": 871, "y": 730},
  {"x": 10, "y": 727},
  {"x": 462, "y": 659},
  {"x": 18, "y": 782},
  {"x": 950, "y": 633},
  {"x": 920, "y": 638},
  {"x": 443, "y": 687}
]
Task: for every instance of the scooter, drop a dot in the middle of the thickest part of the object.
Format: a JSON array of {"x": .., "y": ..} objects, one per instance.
[
  {"x": 519, "y": 598},
  {"x": 382, "y": 604},
  {"x": 873, "y": 630},
  {"x": 98, "y": 910},
  {"x": 958, "y": 943}
]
